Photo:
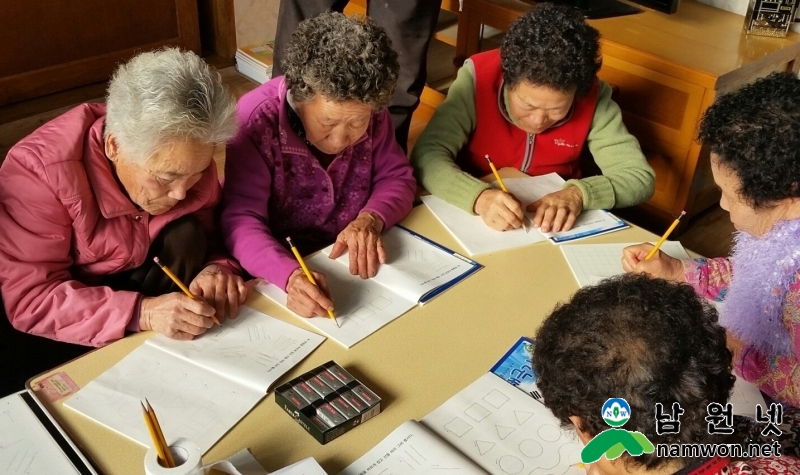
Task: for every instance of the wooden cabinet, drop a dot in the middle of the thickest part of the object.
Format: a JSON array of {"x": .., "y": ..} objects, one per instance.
[
  {"x": 667, "y": 70},
  {"x": 61, "y": 44}
]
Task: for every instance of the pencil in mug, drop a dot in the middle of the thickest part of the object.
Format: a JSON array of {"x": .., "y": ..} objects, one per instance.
[
  {"x": 159, "y": 442},
  {"x": 654, "y": 250},
  {"x": 526, "y": 223},
  {"x": 180, "y": 284},
  {"x": 309, "y": 275}
]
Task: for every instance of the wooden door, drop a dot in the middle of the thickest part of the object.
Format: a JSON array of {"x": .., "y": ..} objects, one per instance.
[{"x": 54, "y": 45}]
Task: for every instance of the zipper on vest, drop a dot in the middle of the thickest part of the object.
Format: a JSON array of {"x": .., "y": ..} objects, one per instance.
[{"x": 526, "y": 159}]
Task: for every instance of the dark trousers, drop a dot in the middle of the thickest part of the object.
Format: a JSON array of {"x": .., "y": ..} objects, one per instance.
[
  {"x": 409, "y": 24},
  {"x": 181, "y": 245}
]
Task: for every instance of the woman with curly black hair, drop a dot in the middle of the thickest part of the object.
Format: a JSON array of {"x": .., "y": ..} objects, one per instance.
[
  {"x": 754, "y": 138},
  {"x": 316, "y": 159},
  {"x": 532, "y": 105},
  {"x": 648, "y": 341}
]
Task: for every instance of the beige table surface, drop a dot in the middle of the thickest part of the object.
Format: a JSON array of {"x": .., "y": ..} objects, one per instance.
[{"x": 415, "y": 363}]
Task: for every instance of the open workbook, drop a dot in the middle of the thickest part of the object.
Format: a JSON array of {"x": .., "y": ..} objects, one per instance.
[
  {"x": 416, "y": 271},
  {"x": 487, "y": 428},
  {"x": 32, "y": 442},
  {"x": 477, "y": 238},
  {"x": 201, "y": 388}
]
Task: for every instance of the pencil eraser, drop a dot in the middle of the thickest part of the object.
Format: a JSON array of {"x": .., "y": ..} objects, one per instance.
[
  {"x": 303, "y": 389},
  {"x": 355, "y": 401},
  {"x": 341, "y": 374},
  {"x": 321, "y": 425},
  {"x": 295, "y": 398},
  {"x": 366, "y": 395},
  {"x": 330, "y": 415},
  {"x": 319, "y": 385},
  {"x": 342, "y": 406},
  {"x": 330, "y": 379}
]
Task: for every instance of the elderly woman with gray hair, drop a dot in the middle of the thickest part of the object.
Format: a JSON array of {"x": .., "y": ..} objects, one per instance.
[
  {"x": 91, "y": 197},
  {"x": 316, "y": 159}
]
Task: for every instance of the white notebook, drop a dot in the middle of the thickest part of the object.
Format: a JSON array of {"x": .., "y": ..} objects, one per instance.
[
  {"x": 591, "y": 263},
  {"x": 477, "y": 238},
  {"x": 416, "y": 271},
  {"x": 489, "y": 427},
  {"x": 32, "y": 442},
  {"x": 201, "y": 388}
]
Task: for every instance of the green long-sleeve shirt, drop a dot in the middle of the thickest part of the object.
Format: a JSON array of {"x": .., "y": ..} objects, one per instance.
[{"x": 626, "y": 178}]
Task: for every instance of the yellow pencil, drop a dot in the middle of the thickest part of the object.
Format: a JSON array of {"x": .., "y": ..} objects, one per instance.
[
  {"x": 525, "y": 221},
  {"x": 579, "y": 465},
  {"x": 654, "y": 250},
  {"x": 308, "y": 274},
  {"x": 180, "y": 284},
  {"x": 158, "y": 443}
]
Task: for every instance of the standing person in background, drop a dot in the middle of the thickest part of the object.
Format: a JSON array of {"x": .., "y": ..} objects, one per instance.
[{"x": 409, "y": 25}]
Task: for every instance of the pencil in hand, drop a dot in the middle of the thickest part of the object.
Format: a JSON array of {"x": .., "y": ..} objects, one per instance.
[
  {"x": 654, "y": 250},
  {"x": 180, "y": 284},
  {"x": 308, "y": 274},
  {"x": 526, "y": 223}
]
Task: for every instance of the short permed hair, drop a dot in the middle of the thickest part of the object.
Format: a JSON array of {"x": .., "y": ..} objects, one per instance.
[
  {"x": 341, "y": 58},
  {"x": 167, "y": 95},
  {"x": 551, "y": 45},
  {"x": 756, "y": 133},
  {"x": 644, "y": 340}
]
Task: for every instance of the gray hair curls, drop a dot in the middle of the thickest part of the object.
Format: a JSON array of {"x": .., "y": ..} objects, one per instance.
[
  {"x": 164, "y": 95},
  {"x": 341, "y": 58}
]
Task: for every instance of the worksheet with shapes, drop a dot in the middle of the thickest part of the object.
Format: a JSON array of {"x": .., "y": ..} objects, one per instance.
[
  {"x": 190, "y": 402},
  {"x": 26, "y": 448},
  {"x": 591, "y": 263},
  {"x": 253, "y": 349},
  {"x": 412, "y": 449},
  {"x": 505, "y": 431},
  {"x": 362, "y": 306}
]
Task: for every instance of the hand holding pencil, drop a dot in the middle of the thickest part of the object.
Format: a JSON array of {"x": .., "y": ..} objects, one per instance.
[
  {"x": 499, "y": 209},
  {"x": 307, "y": 291},
  {"x": 646, "y": 258}
]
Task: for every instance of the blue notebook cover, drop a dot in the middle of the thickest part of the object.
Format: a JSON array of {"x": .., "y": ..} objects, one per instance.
[
  {"x": 474, "y": 267},
  {"x": 516, "y": 368}
]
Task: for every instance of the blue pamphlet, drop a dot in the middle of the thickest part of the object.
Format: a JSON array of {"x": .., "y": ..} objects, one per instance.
[{"x": 516, "y": 368}]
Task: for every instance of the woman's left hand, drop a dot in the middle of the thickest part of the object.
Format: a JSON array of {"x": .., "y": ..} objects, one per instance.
[
  {"x": 221, "y": 289},
  {"x": 557, "y": 211},
  {"x": 362, "y": 240}
]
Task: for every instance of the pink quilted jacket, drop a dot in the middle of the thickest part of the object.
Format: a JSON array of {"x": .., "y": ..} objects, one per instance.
[{"x": 65, "y": 222}]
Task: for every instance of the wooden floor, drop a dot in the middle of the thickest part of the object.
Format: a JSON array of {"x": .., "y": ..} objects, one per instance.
[{"x": 709, "y": 234}]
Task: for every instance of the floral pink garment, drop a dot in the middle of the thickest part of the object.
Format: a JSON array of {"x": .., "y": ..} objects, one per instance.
[
  {"x": 777, "y": 375},
  {"x": 785, "y": 465}
]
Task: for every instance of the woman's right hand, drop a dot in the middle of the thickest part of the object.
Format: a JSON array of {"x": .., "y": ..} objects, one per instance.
[
  {"x": 305, "y": 298},
  {"x": 660, "y": 265},
  {"x": 175, "y": 315},
  {"x": 499, "y": 210}
]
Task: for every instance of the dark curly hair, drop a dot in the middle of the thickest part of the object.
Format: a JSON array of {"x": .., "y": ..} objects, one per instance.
[
  {"x": 344, "y": 59},
  {"x": 756, "y": 133},
  {"x": 551, "y": 45},
  {"x": 642, "y": 339}
]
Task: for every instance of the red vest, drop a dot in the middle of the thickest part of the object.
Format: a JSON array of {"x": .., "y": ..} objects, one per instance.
[{"x": 557, "y": 149}]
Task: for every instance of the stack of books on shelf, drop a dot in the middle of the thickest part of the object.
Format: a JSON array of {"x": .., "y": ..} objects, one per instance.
[{"x": 255, "y": 61}]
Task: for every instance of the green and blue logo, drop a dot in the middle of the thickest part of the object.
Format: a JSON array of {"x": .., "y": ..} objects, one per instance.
[{"x": 614, "y": 442}]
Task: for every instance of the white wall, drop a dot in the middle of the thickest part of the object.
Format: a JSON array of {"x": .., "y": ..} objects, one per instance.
[{"x": 255, "y": 21}]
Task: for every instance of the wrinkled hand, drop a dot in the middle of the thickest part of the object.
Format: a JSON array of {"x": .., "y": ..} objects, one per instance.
[
  {"x": 557, "y": 211},
  {"x": 499, "y": 210},
  {"x": 220, "y": 289},
  {"x": 305, "y": 298},
  {"x": 362, "y": 240},
  {"x": 175, "y": 315},
  {"x": 660, "y": 265}
]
